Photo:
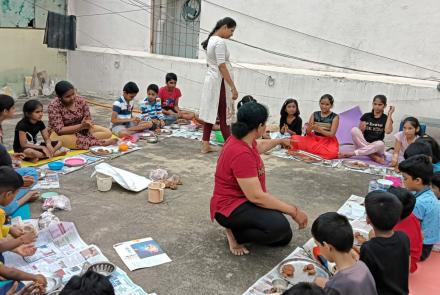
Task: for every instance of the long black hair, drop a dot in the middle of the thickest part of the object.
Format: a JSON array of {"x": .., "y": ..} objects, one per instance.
[
  {"x": 414, "y": 123},
  {"x": 435, "y": 147},
  {"x": 246, "y": 99},
  {"x": 249, "y": 117},
  {"x": 30, "y": 106},
  {"x": 6, "y": 102},
  {"x": 283, "y": 111},
  {"x": 229, "y": 22}
]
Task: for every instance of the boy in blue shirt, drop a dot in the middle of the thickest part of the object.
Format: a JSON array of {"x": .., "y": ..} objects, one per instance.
[
  {"x": 417, "y": 175},
  {"x": 123, "y": 122},
  {"x": 151, "y": 108},
  {"x": 11, "y": 238}
]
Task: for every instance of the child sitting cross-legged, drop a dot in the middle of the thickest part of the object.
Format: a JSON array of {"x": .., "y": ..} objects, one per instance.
[
  {"x": 123, "y": 121},
  {"x": 417, "y": 175},
  {"x": 18, "y": 242},
  {"x": 26, "y": 132},
  {"x": 151, "y": 108},
  {"x": 334, "y": 236},
  {"x": 387, "y": 253},
  {"x": 409, "y": 224}
]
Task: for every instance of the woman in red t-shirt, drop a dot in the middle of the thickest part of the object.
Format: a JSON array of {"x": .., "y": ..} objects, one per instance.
[{"x": 240, "y": 202}]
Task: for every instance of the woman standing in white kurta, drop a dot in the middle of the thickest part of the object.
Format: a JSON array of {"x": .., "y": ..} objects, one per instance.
[{"x": 219, "y": 90}]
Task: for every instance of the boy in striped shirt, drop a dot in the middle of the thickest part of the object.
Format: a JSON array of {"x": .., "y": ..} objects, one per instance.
[
  {"x": 151, "y": 108},
  {"x": 123, "y": 121}
]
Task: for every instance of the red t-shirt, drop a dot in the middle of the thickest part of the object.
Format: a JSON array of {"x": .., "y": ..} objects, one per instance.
[
  {"x": 169, "y": 99},
  {"x": 237, "y": 160},
  {"x": 411, "y": 227}
]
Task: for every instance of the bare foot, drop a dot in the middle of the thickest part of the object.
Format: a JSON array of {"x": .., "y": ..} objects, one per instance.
[
  {"x": 236, "y": 248},
  {"x": 377, "y": 158},
  {"x": 207, "y": 148},
  {"x": 345, "y": 155},
  {"x": 60, "y": 153},
  {"x": 111, "y": 141}
]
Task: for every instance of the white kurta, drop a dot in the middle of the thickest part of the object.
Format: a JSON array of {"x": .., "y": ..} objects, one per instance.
[{"x": 216, "y": 54}]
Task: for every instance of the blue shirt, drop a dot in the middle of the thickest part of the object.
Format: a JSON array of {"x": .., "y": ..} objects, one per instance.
[
  {"x": 436, "y": 167},
  {"x": 151, "y": 111},
  {"x": 427, "y": 210},
  {"x": 123, "y": 108}
]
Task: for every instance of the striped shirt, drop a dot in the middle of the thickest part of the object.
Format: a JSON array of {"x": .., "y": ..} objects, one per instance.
[
  {"x": 123, "y": 108},
  {"x": 151, "y": 111}
]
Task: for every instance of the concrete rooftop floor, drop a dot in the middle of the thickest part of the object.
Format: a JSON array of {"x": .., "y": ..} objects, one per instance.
[{"x": 201, "y": 262}]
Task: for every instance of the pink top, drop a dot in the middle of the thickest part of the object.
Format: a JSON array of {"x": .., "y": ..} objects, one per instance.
[{"x": 403, "y": 143}]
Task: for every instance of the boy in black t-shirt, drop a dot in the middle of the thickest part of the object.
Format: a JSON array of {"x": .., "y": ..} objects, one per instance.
[
  {"x": 387, "y": 254},
  {"x": 368, "y": 136}
]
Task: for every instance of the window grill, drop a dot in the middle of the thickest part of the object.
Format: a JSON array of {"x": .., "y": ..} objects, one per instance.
[{"x": 176, "y": 25}]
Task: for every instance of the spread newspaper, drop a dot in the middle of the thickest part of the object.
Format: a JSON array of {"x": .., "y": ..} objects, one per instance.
[
  {"x": 61, "y": 252},
  {"x": 141, "y": 253}
]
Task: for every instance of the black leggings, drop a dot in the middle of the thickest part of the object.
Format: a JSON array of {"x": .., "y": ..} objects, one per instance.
[{"x": 252, "y": 224}]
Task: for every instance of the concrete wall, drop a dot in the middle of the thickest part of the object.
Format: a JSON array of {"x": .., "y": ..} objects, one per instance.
[
  {"x": 21, "y": 50},
  {"x": 413, "y": 97},
  {"x": 406, "y": 30},
  {"x": 127, "y": 30}
]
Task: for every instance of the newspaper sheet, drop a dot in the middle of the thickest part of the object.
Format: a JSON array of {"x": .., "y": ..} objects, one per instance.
[
  {"x": 141, "y": 253},
  {"x": 62, "y": 252},
  {"x": 50, "y": 181}
]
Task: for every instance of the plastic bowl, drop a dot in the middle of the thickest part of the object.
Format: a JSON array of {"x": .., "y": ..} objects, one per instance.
[{"x": 55, "y": 165}]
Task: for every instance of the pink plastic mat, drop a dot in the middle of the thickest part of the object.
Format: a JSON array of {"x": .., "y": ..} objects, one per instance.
[{"x": 425, "y": 280}]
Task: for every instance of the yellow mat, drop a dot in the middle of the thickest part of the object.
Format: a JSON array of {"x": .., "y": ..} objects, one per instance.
[{"x": 45, "y": 161}]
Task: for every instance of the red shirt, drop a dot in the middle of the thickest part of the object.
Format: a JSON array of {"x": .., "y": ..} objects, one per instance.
[
  {"x": 237, "y": 160},
  {"x": 411, "y": 227},
  {"x": 169, "y": 99}
]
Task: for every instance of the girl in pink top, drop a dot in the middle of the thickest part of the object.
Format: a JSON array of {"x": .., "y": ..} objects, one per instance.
[{"x": 411, "y": 131}]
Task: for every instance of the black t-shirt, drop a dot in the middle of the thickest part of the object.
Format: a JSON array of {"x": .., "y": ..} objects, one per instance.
[
  {"x": 31, "y": 130},
  {"x": 295, "y": 125},
  {"x": 375, "y": 127},
  {"x": 388, "y": 261},
  {"x": 5, "y": 158}
]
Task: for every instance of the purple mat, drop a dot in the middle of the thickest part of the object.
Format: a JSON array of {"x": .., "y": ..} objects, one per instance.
[
  {"x": 366, "y": 159},
  {"x": 347, "y": 120}
]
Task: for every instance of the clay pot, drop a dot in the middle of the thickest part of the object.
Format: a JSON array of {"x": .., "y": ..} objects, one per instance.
[{"x": 156, "y": 192}]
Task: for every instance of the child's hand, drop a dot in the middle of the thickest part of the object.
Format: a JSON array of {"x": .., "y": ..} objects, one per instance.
[
  {"x": 320, "y": 281},
  {"x": 28, "y": 238},
  {"x": 50, "y": 148},
  {"x": 47, "y": 152},
  {"x": 27, "y": 290},
  {"x": 393, "y": 163},
  {"x": 16, "y": 231},
  {"x": 28, "y": 181},
  {"x": 137, "y": 120},
  {"x": 18, "y": 156},
  {"x": 391, "y": 110},
  {"x": 26, "y": 250},
  {"x": 41, "y": 282},
  {"x": 162, "y": 123}
]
